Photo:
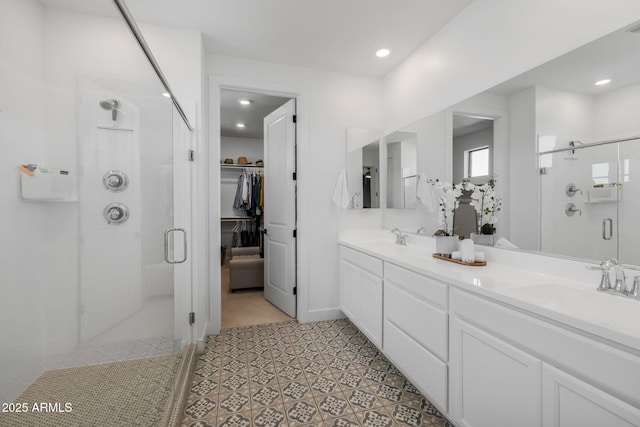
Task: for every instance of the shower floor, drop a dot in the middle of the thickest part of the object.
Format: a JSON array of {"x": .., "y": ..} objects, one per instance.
[{"x": 134, "y": 392}]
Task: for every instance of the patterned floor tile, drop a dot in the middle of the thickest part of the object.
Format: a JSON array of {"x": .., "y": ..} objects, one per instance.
[
  {"x": 375, "y": 418},
  {"x": 302, "y": 412},
  {"x": 291, "y": 374},
  {"x": 273, "y": 416}
]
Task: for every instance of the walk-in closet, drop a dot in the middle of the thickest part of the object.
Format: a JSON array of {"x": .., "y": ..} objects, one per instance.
[{"x": 242, "y": 207}]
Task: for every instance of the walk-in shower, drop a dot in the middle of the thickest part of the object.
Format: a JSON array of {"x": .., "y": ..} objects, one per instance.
[{"x": 84, "y": 280}]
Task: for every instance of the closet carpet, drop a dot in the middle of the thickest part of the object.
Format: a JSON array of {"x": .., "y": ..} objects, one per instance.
[
  {"x": 246, "y": 307},
  {"x": 292, "y": 374}
]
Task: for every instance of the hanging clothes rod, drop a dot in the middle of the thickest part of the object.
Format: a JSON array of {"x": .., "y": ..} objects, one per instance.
[
  {"x": 236, "y": 218},
  {"x": 590, "y": 144}
]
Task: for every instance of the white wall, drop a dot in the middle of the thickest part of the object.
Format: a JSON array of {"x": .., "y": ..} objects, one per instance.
[
  {"x": 329, "y": 104},
  {"x": 234, "y": 147},
  {"x": 489, "y": 42}
]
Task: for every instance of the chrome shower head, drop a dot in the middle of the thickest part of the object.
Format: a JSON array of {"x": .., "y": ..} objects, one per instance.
[{"x": 111, "y": 105}]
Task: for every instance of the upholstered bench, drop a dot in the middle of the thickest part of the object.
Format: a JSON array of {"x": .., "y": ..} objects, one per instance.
[{"x": 246, "y": 268}]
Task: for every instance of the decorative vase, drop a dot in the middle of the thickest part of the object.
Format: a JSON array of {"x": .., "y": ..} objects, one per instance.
[
  {"x": 445, "y": 245},
  {"x": 483, "y": 239}
]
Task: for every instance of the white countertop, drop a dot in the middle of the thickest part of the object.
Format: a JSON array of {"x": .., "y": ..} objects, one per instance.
[{"x": 574, "y": 303}]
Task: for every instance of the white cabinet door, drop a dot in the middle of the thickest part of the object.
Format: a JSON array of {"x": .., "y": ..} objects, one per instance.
[
  {"x": 570, "y": 402},
  {"x": 492, "y": 383},
  {"x": 370, "y": 317},
  {"x": 350, "y": 290},
  {"x": 361, "y": 292}
]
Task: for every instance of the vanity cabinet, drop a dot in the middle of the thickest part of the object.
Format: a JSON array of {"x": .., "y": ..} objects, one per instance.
[
  {"x": 492, "y": 382},
  {"x": 416, "y": 330},
  {"x": 568, "y": 401},
  {"x": 361, "y": 292},
  {"x": 509, "y": 367}
]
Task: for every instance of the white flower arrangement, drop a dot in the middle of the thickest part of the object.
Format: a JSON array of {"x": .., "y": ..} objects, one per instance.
[
  {"x": 487, "y": 204},
  {"x": 448, "y": 203}
]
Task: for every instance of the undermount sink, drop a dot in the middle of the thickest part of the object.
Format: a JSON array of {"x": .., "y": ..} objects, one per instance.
[{"x": 607, "y": 310}]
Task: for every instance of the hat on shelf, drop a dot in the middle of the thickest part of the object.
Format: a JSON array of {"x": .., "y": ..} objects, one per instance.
[
  {"x": 228, "y": 161},
  {"x": 259, "y": 162},
  {"x": 243, "y": 161}
]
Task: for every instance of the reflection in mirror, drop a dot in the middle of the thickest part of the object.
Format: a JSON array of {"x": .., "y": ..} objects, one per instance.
[
  {"x": 472, "y": 148},
  {"x": 402, "y": 157},
  {"x": 559, "y": 98},
  {"x": 363, "y": 168}
]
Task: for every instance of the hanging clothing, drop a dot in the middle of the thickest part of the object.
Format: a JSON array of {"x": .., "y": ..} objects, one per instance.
[
  {"x": 250, "y": 193},
  {"x": 237, "y": 201}
]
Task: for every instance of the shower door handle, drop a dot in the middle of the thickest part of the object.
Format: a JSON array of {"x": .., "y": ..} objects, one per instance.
[
  {"x": 604, "y": 228},
  {"x": 169, "y": 232}
]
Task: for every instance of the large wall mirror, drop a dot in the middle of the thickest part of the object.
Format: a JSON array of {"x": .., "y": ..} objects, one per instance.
[
  {"x": 363, "y": 168},
  {"x": 564, "y": 142}
]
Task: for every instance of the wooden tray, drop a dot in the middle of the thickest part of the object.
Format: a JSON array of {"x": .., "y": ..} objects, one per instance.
[{"x": 457, "y": 261}]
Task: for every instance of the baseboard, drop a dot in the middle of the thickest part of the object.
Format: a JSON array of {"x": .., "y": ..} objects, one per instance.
[{"x": 320, "y": 315}]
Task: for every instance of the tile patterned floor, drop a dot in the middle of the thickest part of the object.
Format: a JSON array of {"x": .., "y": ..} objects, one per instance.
[{"x": 291, "y": 374}]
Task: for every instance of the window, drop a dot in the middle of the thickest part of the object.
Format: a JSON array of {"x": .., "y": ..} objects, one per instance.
[{"x": 476, "y": 162}]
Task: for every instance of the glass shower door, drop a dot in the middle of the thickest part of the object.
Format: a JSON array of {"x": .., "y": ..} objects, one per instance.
[
  {"x": 628, "y": 194},
  {"x": 578, "y": 209}
]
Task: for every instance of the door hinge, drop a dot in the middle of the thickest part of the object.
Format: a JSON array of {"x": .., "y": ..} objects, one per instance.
[
  {"x": 192, "y": 318},
  {"x": 264, "y": 231},
  {"x": 295, "y": 290},
  {"x": 295, "y": 177},
  {"x": 295, "y": 233},
  {"x": 192, "y": 155},
  {"x": 295, "y": 118}
]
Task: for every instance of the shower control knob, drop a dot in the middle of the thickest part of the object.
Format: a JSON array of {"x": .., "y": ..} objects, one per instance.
[
  {"x": 116, "y": 213},
  {"x": 115, "y": 181}
]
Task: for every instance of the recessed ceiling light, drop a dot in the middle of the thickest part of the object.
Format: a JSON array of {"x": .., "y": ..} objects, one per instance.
[
  {"x": 381, "y": 53},
  {"x": 245, "y": 102},
  {"x": 166, "y": 94},
  {"x": 602, "y": 82},
  {"x": 241, "y": 125}
]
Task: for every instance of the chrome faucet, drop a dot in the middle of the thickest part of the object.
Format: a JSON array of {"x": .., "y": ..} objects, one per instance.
[
  {"x": 620, "y": 287},
  {"x": 401, "y": 239},
  {"x": 421, "y": 230}
]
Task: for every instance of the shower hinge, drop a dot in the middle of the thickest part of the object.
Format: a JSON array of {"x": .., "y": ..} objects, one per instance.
[
  {"x": 543, "y": 171},
  {"x": 192, "y": 318},
  {"x": 192, "y": 155},
  {"x": 295, "y": 118},
  {"x": 295, "y": 176},
  {"x": 295, "y": 290}
]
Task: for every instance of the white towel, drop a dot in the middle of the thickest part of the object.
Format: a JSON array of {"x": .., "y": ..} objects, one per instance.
[
  {"x": 341, "y": 192},
  {"x": 504, "y": 243},
  {"x": 424, "y": 193}
]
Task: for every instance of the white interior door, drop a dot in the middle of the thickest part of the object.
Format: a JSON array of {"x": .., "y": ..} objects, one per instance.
[{"x": 280, "y": 208}]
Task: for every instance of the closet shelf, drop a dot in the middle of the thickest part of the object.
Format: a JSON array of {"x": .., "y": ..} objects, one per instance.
[{"x": 229, "y": 166}]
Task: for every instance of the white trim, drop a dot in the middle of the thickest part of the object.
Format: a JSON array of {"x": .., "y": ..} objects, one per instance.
[
  {"x": 325, "y": 314},
  {"x": 216, "y": 83}
]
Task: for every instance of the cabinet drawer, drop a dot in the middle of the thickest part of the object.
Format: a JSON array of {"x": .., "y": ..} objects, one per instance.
[
  {"x": 366, "y": 262},
  {"x": 423, "y": 369},
  {"x": 610, "y": 368},
  {"x": 423, "y": 286},
  {"x": 423, "y": 322}
]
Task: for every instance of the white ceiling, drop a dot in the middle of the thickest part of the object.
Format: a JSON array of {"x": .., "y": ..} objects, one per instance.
[
  {"x": 231, "y": 112},
  {"x": 333, "y": 35}
]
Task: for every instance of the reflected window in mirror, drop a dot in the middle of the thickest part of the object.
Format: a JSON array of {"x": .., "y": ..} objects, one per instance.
[{"x": 472, "y": 148}]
